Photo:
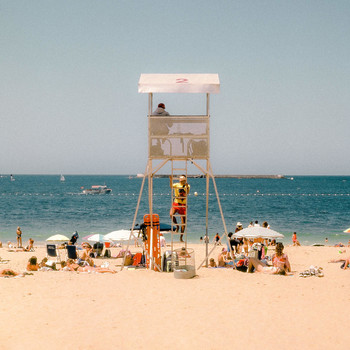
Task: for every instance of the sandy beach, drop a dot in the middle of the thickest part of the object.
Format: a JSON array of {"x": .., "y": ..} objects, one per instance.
[{"x": 142, "y": 309}]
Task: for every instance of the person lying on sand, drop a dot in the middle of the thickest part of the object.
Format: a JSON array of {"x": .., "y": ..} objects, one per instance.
[
  {"x": 8, "y": 273},
  {"x": 72, "y": 266},
  {"x": 346, "y": 262}
]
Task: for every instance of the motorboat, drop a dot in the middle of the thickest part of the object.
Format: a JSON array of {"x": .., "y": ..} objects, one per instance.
[{"x": 97, "y": 189}]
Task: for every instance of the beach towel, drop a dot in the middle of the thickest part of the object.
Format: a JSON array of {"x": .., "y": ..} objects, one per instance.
[{"x": 137, "y": 259}]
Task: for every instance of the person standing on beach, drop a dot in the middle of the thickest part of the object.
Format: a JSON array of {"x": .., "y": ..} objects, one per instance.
[
  {"x": 181, "y": 189},
  {"x": 295, "y": 239},
  {"x": 19, "y": 237}
]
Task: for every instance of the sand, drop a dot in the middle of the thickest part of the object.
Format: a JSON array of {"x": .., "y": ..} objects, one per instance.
[{"x": 142, "y": 309}]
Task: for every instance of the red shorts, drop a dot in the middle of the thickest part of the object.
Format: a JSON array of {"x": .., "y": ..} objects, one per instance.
[{"x": 179, "y": 208}]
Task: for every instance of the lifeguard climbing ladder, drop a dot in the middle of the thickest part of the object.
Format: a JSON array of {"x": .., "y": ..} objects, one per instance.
[{"x": 178, "y": 139}]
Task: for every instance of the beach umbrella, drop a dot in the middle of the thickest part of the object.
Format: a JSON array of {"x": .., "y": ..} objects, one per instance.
[
  {"x": 87, "y": 237},
  {"x": 97, "y": 238},
  {"x": 258, "y": 232},
  {"x": 347, "y": 230},
  {"x": 119, "y": 235},
  {"x": 57, "y": 238}
]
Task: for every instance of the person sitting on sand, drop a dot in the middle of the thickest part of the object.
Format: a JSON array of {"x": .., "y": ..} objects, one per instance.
[
  {"x": 30, "y": 246},
  {"x": 280, "y": 263},
  {"x": 86, "y": 255},
  {"x": 33, "y": 264},
  {"x": 212, "y": 263},
  {"x": 279, "y": 259},
  {"x": 222, "y": 258}
]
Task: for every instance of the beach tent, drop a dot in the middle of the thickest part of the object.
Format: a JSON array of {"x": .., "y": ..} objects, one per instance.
[{"x": 258, "y": 232}]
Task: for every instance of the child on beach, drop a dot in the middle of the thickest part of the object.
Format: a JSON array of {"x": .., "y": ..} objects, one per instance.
[{"x": 212, "y": 263}]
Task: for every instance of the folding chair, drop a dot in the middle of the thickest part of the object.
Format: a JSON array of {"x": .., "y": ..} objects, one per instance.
[
  {"x": 52, "y": 252},
  {"x": 72, "y": 252}
]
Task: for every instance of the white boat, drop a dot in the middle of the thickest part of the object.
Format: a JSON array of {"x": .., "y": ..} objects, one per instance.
[
  {"x": 98, "y": 189},
  {"x": 62, "y": 178}
]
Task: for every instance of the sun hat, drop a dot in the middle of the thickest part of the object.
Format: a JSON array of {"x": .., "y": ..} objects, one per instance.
[{"x": 239, "y": 224}]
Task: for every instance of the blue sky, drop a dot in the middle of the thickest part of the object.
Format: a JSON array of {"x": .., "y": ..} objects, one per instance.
[{"x": 69, "y": 72}]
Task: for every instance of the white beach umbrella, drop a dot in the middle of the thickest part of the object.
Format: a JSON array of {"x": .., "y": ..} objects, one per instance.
[
  {"x": 119, "y": 235},
  {"x": 97, "y": 238},
  {"x": 57, "y": 238},
  {"x": 258, "y": 232}
]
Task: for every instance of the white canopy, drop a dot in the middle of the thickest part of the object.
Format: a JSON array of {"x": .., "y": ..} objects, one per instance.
[
  {"x": 258, "y": 231},
  {"x": 179, "y": 83},
  {"x": 119, "y": 235}
]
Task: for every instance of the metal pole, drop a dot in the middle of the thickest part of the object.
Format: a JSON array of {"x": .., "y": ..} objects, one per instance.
[
  {"x": 135, "y": 216},
  {"x": 207, "y": 215},
  {"x": 208, "y": 104}
]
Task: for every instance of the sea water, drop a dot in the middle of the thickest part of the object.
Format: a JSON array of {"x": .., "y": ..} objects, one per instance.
[{"x": 315, "y": 207}]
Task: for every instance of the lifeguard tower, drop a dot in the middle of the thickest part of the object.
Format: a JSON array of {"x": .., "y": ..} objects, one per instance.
[{"x": 178, "y": 140}]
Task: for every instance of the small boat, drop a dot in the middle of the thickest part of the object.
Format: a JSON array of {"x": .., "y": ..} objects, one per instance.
[
  {"x": 62, "y": 178},
  {"x": 98, "y": 189}
]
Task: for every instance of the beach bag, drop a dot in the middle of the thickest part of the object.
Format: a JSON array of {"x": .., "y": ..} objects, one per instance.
[
  {"x": 128, "y": 260},
  {"x": 253, "y": 254},
  {"x": 166, "y": 264}
]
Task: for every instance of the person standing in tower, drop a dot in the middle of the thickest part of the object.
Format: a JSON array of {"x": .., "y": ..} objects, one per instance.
[{"x": 181, "y": 190}]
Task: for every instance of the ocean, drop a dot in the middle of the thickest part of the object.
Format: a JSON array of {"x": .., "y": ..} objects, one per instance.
[{"x": 315, "y": 207}]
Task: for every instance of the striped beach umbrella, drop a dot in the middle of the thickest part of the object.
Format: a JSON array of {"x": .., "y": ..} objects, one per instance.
[{"x": 347, "y": 230}]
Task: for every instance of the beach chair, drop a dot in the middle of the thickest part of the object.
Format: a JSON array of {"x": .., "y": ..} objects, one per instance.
[
  {"x": 52, "y": 252},
  {"x": 72, "y": 252}
]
